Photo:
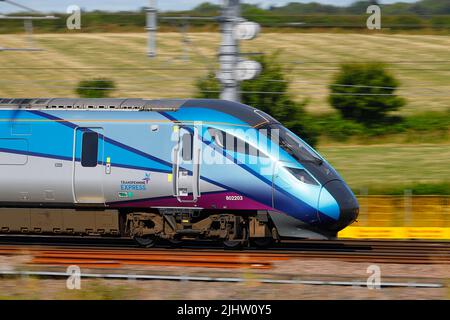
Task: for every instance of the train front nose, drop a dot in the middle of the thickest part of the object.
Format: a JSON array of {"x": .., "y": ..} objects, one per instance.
[{"x": 338, "y": 206}]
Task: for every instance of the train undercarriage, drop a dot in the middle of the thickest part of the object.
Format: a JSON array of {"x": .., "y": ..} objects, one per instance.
[{"x": 145, "y": 227}]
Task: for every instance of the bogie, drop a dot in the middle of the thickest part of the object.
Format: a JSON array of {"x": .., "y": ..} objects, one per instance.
[{"x": 179, "y": 226}]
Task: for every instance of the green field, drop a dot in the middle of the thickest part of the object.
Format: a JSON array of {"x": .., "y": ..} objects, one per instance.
[
  {"x": 420, "y": 62},
  {"x": 390, "y": 168}
]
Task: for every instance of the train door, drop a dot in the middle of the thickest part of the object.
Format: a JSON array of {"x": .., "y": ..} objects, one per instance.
[
  {"x": 88, "y": 168},
  {"x": 186, "y": 164}
]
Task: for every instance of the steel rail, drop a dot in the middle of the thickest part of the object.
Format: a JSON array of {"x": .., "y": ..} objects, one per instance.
[{"x": 358, "y": 283}]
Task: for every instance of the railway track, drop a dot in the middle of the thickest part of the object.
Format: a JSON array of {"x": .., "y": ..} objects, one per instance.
[{"x": 397, "y": 252}]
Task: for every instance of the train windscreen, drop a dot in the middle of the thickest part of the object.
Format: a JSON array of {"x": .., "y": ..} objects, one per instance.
[{"x": 290, "y": 143}]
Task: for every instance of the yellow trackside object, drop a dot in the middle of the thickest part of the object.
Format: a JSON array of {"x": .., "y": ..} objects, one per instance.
[{"x": 395, "y": 233}]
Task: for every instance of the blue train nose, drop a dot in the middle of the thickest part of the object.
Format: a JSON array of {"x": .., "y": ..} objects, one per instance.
[{"x": 342, "y": 207}]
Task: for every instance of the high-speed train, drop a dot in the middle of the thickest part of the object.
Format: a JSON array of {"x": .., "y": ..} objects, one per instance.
[{"x": 163, "y": 169}]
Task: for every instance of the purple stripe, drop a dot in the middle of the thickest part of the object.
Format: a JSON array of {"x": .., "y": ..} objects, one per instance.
[{"x": 216, "y": 200}]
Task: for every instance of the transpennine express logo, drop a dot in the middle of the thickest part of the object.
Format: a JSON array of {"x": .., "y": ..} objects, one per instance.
[
  {"x": 146, "y": 178},
  {"x": 133, "y": 185}
]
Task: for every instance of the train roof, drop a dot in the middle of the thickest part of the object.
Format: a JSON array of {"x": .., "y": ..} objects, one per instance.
[
  {"x": 91, "y": 104},
  {"x": 248, "y": 114}
]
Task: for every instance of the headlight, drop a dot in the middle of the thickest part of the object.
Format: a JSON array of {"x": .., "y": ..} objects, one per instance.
[{"x": 303, "y": 176}]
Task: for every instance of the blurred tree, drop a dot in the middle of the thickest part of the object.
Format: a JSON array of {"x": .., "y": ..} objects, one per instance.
[
  {"x": 306, "y": 8},
  {"x": 360, "y": 7},
  {"x": 95, "y": 88},
  {"x": 207, "y": 8},
  {"x": 269, "y": 93},
  {"x": 208, "y": 87},
  {"x": 431, "y": 7},
  {"x": 365, "y": 93}
]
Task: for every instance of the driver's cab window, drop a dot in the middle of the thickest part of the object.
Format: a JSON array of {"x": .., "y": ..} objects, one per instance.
[{"x": 231, "y": 143}]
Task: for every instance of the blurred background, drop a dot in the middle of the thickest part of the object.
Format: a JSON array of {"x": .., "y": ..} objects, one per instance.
[{"x": 373, "y": 101}]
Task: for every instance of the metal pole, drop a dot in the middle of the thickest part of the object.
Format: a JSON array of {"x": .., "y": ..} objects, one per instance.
[
  {"x": 186, "y": 41},
  {"x": 29, "y": 30},
  {"x": 408, "y": 208},
  {"x": 152, "y": 16},
  {"x": 28, "y": 24},
  {"x": 229, "y": 51}
]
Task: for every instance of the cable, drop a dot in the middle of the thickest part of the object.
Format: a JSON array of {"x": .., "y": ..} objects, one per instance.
[
  {"x": 103, "y": 68},
  {"x": 317, "y": 83},
  {"x": 185, "y": 69},
  {"x": 159, "y": 79},
  {"x": 364, "y": 62},
  {"x": 415, "y": 94},
  {"x": 21, "y": 6}
]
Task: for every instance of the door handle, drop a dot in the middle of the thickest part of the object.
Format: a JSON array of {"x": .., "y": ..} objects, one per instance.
[{"x": 175, "y": 169}]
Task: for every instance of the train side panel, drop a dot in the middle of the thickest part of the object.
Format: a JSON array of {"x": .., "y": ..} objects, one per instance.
[
  {"x": 138, "y": 161},
  {"x": 35, "y": 161}
]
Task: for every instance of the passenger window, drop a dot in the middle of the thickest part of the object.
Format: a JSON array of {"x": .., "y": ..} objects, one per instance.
[
  {"x": 186, "y": 152},
  {"x": 89, "y": 153}
]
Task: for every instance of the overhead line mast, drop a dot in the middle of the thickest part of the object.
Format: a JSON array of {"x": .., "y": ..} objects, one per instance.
[
  {"x": 233, "y": 69},
  {"x": 229, "y": 50},
  {"x": 152, "y": 27},
  {"x": 28, "y": 24}
]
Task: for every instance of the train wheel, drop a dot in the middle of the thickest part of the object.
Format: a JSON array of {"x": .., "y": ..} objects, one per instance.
[
  {"x": 146, "y": 241},
  {"x": 232, "y": 244},
  {"x": 175, "y": 243},
  {"x": 237, "y": 244},
  {"x": 262, "y": 242}
]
